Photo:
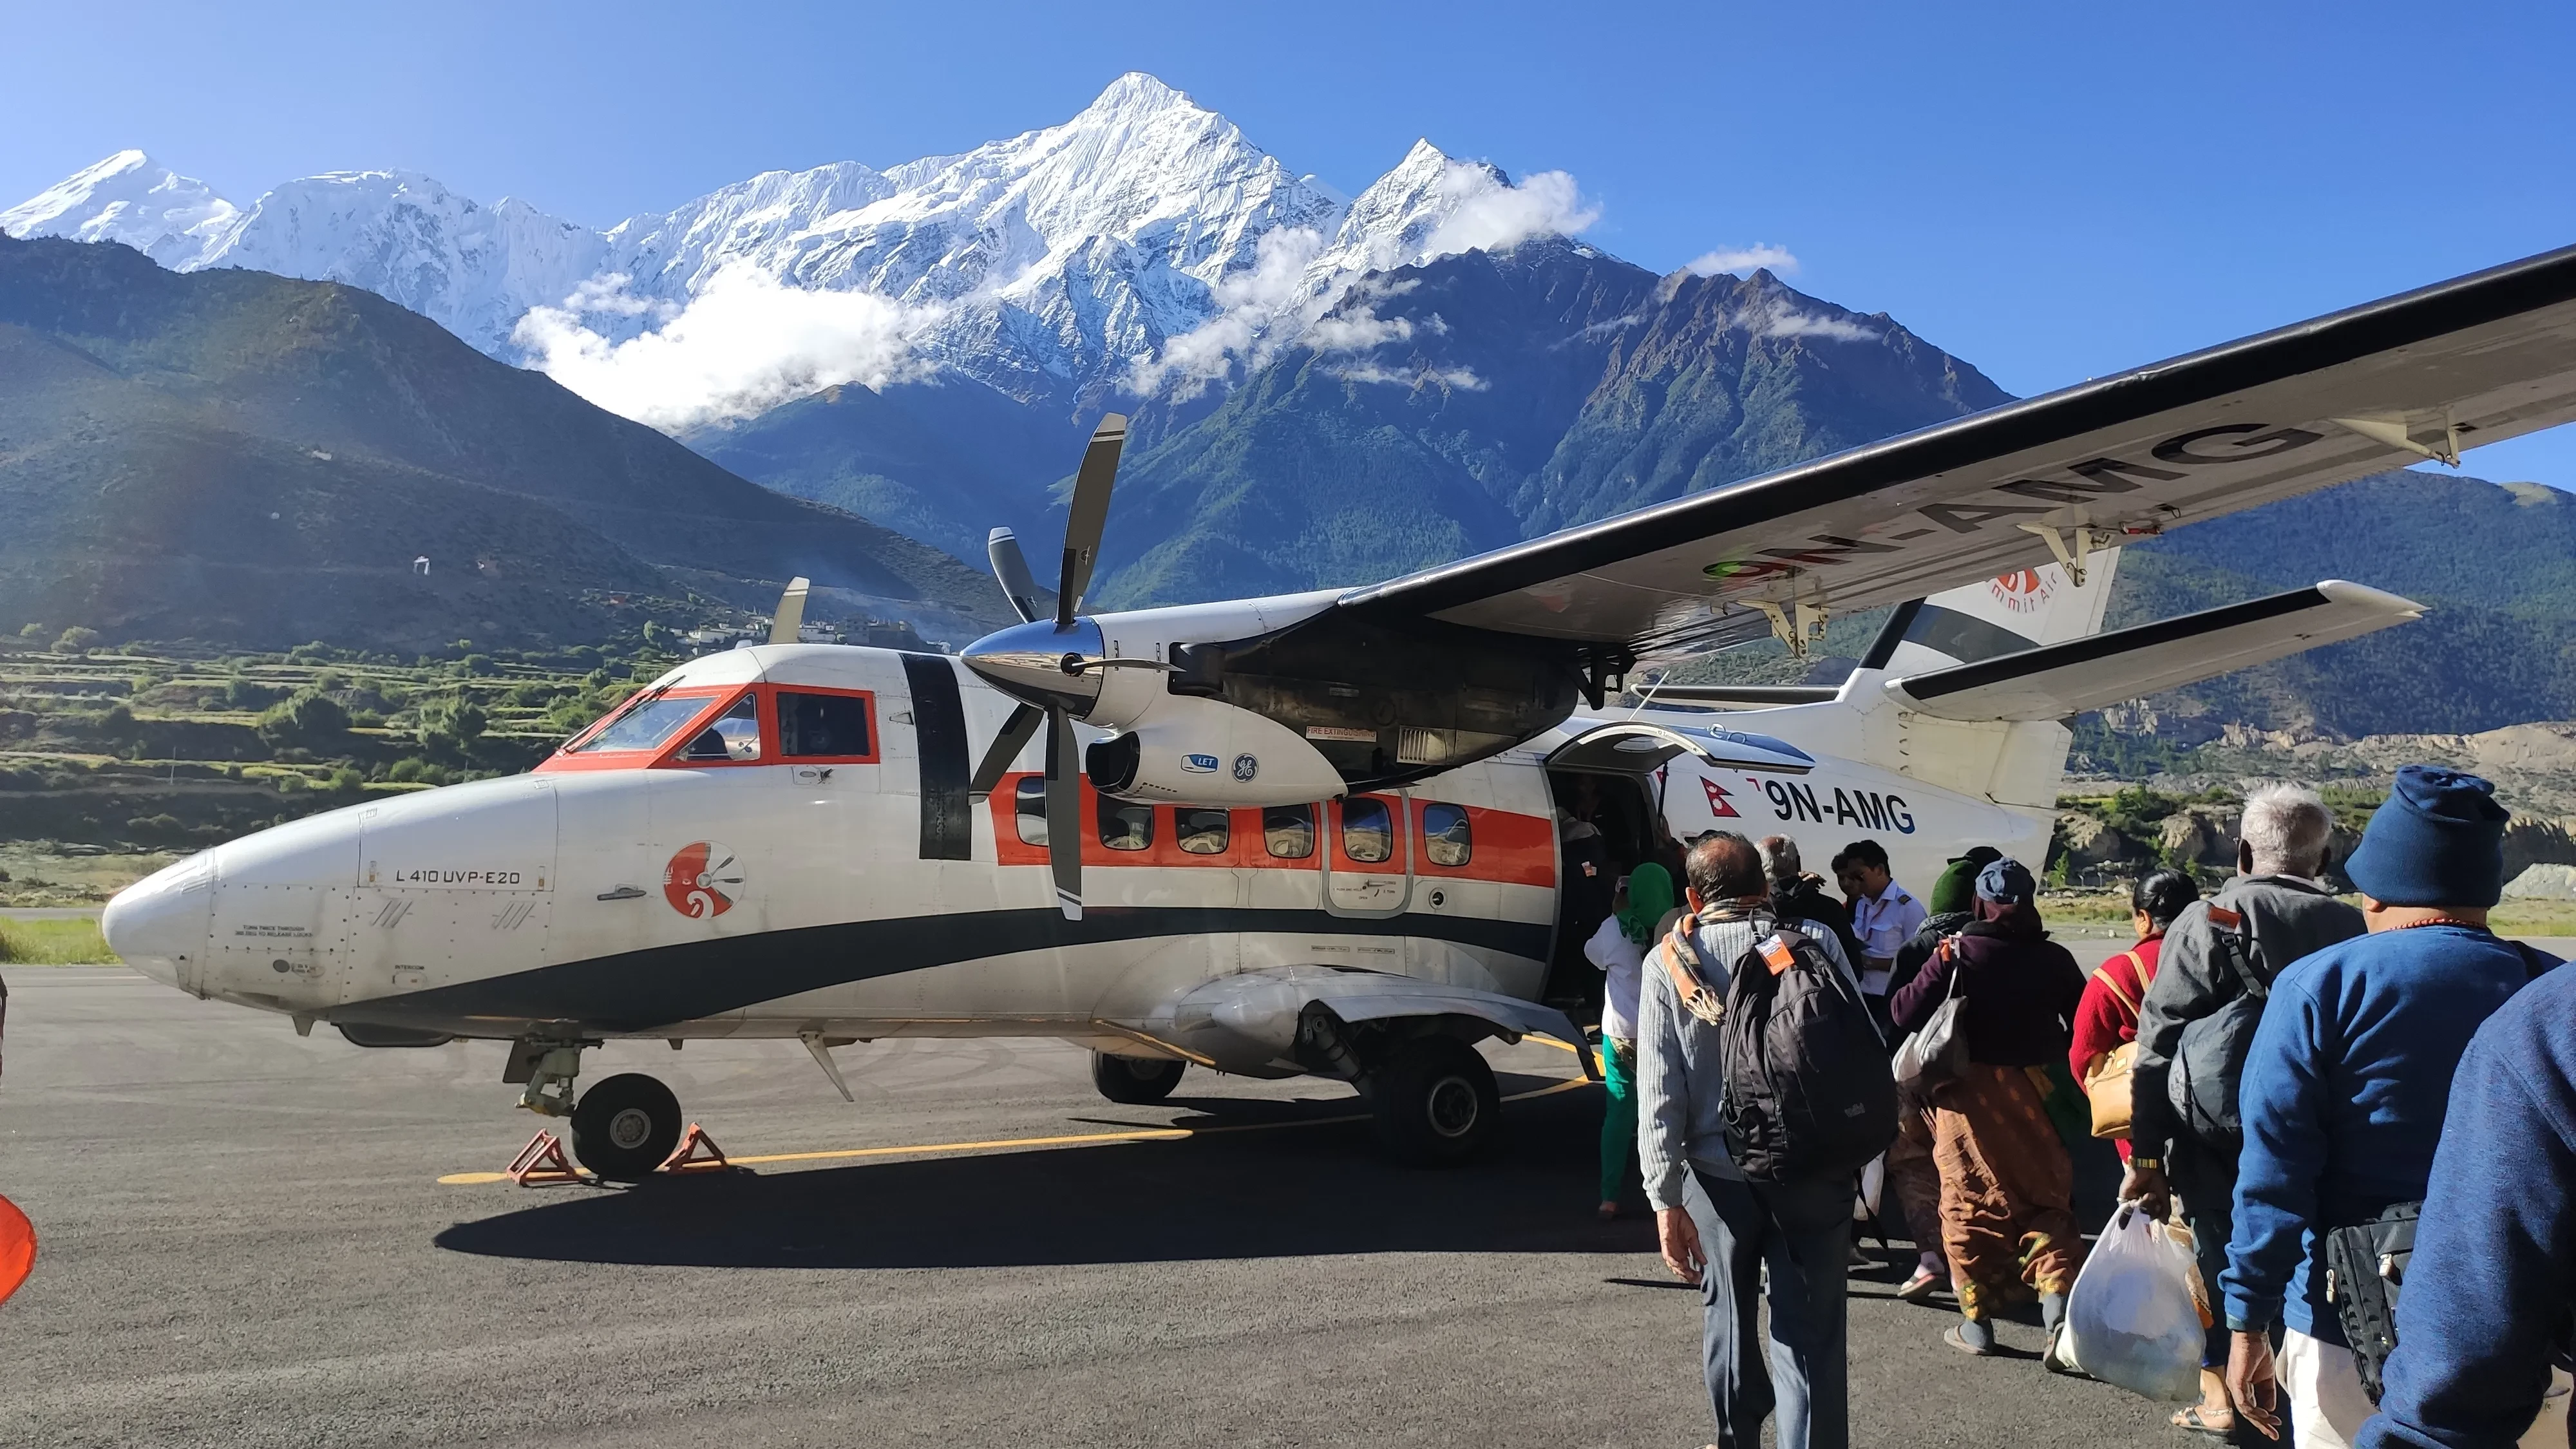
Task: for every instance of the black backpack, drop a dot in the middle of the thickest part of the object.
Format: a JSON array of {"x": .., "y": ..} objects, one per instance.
[
  {"x": 1808, "y": 1089},
  {"x": 2209, "y": 1061}
]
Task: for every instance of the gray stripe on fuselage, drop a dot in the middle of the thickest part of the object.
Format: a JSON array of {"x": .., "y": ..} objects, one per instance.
[{"x": 638, "y": 991}]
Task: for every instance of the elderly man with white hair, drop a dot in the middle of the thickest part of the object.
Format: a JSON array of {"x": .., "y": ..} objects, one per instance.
[{"x": 2197, "y": 1021}]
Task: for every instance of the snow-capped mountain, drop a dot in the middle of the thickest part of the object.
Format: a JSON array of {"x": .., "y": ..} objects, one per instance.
[{"x": 1144, "y": 244}]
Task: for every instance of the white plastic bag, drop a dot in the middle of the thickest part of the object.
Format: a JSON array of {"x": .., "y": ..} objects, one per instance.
[{"x": 2132, "y": 1318}]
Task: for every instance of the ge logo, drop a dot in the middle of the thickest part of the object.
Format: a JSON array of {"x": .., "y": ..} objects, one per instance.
[
  {"x": 1245, "y": 767},
  {"x": 702, "y": 881}
]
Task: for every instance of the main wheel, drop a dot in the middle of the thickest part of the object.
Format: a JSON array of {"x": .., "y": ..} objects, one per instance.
[
  {"x": 625, "y": 1127},
  {"x": 1435, "y": 1100},
  {"x": 1135, "y": 1081}
]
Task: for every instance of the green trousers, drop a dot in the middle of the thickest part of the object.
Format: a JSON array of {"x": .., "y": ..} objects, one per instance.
[{"x": 1619, "y": 1119}]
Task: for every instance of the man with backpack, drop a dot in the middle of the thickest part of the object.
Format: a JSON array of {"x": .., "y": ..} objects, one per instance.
[
  {"x": 2197, "y": 1021},
  {"x": 1762, "y": 1080},
  {"x": 2345, "y": 1087}
]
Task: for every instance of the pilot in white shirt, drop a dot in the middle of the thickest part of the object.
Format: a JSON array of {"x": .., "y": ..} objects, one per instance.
[{"x": 1884, "y": 915}]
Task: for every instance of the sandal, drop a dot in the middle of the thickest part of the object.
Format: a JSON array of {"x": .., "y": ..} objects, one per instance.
[
  {"x": 1920, "y": 1287},
  {"x": 1608, "y": 1211},
  {"x": 2198, "y": 1423},
  {"x": 1952, "y": 1337}
]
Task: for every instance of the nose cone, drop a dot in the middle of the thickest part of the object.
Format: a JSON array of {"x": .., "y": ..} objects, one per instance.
[
  {"x": 1026, "y": 661},
  {"x": 159, "y": 925}
]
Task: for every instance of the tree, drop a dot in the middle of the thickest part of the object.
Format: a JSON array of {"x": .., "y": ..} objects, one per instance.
[
  {"x": 309, "y": 717},
  {"x": 75, "y": 640}
]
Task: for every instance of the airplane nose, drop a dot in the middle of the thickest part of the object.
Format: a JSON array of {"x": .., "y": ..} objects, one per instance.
[
  {"x": 159, "y": 925},
  {"x": 1026, "y": 662}
]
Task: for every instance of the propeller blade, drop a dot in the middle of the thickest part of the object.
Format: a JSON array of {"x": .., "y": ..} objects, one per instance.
[
  {"x": 1012, "y": 569},
  {"x": 1007, "y": 745},
  {"x": 1089, "y": 514},
  {"x": 791, "y": 612},
  {"x": 1064, "y": 813}
]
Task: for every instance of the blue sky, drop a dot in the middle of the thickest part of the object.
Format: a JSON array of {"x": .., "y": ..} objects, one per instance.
[{"x": 2048, "y": 191}]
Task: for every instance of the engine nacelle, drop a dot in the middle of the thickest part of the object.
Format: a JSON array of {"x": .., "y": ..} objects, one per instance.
[{"x": 1190, "y": 751}]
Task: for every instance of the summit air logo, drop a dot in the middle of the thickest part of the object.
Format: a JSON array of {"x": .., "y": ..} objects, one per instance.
[
  {"x": 2023, "y": 590},
  {"x": 703, "y": 880}
]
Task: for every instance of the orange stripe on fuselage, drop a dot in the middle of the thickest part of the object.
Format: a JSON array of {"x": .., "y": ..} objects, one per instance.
[{"x": 1506, "y": 847}]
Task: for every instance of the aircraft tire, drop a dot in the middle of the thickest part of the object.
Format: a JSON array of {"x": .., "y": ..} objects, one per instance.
[
  {"x": 1435, "y": 1102},
  {"x": 1135, "y": 1081},
  {"x": 625, "y": 1127}
]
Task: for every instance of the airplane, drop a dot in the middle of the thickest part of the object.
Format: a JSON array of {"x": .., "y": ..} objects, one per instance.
[{"x": 1322, "y": 834}]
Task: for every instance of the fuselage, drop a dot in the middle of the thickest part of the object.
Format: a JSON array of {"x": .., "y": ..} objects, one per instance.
[{"x": 786, "y": 846}]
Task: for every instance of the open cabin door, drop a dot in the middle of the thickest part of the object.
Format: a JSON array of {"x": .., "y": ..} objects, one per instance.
[{"x": 1637, "y": 747}]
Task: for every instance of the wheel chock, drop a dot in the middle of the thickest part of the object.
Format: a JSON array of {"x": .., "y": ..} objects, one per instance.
[
  {"x": 542, "y": 1163},
  {"x": 697, "y": 1152}
]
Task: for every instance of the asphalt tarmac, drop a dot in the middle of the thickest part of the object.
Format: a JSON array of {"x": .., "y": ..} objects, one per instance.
[{"x": 244, "y": 1241}]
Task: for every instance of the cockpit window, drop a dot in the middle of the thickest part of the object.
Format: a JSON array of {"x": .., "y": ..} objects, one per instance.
[
  {"x": 735, "y": 735},
  {"x": 648, "y": 726}
]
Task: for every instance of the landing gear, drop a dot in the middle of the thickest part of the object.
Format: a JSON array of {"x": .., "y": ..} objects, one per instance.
[
  {"x": 1135, "y": 1081},
  {"x": 1435, "y": 1100},
  {"x": 625, "y": 1127}
]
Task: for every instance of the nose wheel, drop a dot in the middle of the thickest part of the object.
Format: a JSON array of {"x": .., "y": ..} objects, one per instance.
[{"x": 625, "y": 1127}]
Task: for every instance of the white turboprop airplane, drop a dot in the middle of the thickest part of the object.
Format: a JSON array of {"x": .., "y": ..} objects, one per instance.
[{"x": 1321, "y": 833}]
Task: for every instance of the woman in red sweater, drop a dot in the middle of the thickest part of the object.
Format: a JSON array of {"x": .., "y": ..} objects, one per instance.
[{"x": 2107, "y": 1016}]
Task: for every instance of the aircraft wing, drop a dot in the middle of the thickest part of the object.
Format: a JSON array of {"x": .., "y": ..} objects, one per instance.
[
  {"x": 2426, "y": 374},
  {"x": 2058, "y": 680}
]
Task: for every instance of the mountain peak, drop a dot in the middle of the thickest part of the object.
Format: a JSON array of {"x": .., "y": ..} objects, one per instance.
[
  {"x": 1137, "y": 92},
  {"x": 128, "y": 199}
]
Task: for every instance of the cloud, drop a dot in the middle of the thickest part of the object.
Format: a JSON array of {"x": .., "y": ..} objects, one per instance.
[
  {"x": 1462, "y": 379},
  {"x": 1488, "y": 214},
  {"x": 1742, "y": 260},
  {"x": 1297, "y": 293},
  {"x": 744, "y": 344},
  {"x": 1776, "y": 318}
]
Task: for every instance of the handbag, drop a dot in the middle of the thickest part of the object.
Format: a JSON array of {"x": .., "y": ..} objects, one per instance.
[
  {"x": 1939, "y": 1051},
  {"x": 2108, "y": 1086}
]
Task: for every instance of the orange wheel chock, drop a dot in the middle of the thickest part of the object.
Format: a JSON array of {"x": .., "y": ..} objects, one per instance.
[
  {"x": 17, "y": 1248},
  {"x": 542, "y": 1163},
  {"x": 686, "y": 1157}
]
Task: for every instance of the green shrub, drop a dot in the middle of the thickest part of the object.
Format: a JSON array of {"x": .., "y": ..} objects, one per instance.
[{"x": 75, "y": 640}]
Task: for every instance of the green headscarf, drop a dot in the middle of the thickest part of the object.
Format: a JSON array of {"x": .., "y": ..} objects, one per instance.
[{"x": 1650, "y": 894}]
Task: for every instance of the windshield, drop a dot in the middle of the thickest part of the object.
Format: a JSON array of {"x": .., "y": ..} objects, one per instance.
[{"x": 648, "y": 726}]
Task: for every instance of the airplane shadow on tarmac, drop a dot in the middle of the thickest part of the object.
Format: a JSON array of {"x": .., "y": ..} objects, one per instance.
[
  {"x": 1292, "y": 1192},
  {"x": 1242, "y": 1194}
]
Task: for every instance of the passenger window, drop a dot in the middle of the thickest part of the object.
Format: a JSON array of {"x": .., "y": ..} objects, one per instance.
[
  {"x": 1029, "y": 810},
  {"x": 1125, "y": 826},
  {"x": 1289, "y": 831},
  {"x": 1444, "y": 834},
  {"x": 1368, "y": 832},
  {"x": 734, "y": 736},
  {"x": 822, "y": 726},
  {"x": 1201, "y": 832}
]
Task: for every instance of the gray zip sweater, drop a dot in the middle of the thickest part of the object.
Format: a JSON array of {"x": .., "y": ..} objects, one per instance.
[
  {"x": 1680, "y": 1085},
  {"x": 2290, "y": 917}
]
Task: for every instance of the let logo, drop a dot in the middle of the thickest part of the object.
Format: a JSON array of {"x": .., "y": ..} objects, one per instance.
[{"x": 702, "y": 881}]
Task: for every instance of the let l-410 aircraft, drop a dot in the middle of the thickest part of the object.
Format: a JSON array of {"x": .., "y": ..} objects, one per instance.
[{"x": 1323, "y": 833}]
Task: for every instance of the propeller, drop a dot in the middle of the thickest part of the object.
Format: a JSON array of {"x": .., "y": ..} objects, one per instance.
[{"x": 1024, "y": 662}]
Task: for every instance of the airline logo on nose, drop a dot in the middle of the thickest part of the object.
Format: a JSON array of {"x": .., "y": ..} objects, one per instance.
[{"x": 703, "y": 880}]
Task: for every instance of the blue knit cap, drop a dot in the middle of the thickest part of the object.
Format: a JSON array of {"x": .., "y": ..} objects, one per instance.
[
  {"x": 2439, "y": 841},
  {"x": 2006, "y": 882}
]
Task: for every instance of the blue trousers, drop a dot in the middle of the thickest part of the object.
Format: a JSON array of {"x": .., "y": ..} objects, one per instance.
[{"x": 1802, "y": 1231}]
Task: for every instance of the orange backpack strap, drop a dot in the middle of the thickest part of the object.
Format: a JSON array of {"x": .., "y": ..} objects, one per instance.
[{"x": 1692, "y": 992}]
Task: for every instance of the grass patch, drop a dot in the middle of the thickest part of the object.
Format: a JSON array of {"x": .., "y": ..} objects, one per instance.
[{"x": 52, "y": 943}]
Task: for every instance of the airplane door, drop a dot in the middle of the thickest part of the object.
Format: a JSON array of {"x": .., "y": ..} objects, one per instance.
[{"x": 1368, "y": 863}]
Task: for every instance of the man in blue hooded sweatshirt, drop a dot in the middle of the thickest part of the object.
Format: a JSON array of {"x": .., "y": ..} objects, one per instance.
[{"x": 2345, "y": 1087}]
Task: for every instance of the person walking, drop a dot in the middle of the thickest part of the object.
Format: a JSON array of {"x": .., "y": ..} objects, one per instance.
[
  {"x": 2346, "y": 1084},
  {"x": 2107, "y": 1018},
  {"x": 2492, "y": 1283},
  {"x": 1911, "y": 1172},
  {"x": 2007, "y": 1184},
  {"x": 1798, "y": 1233},
  {"x": 1638, "y": 914},
  {"x": 2217, "y": 961}
]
